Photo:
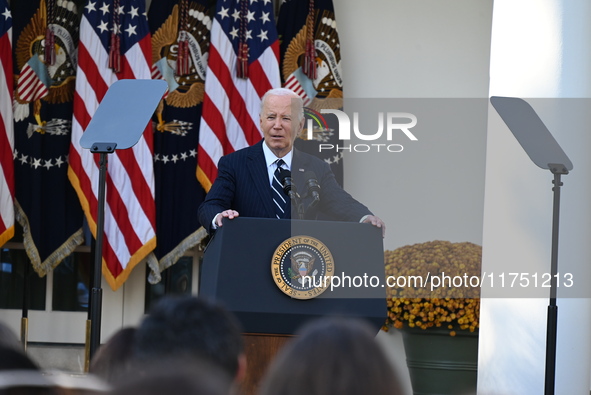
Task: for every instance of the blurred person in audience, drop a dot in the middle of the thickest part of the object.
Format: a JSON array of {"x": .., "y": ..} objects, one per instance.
[
  {"x": 8, "y": 337},
  {"x": 19, "y": 375},
  {"x": 331, "y": 356},
  {"x": 193, "y": 376},
  {"x": 187, "y": 327},
  {"x": 69, "y": 383},
  {"x": 112, "y": 359}
]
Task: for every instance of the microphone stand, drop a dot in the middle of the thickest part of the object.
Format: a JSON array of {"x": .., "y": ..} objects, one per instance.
[
  {"x": 290, "y": 190},
  {"x": 297, "y": 201},
  {"x": 313, "y": 189}
]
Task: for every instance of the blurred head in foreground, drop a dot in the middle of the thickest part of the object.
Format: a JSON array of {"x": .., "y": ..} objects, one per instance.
[
  {"x": 331, "y": 356},
  {"x": 187, "y": 327},
  {"x": 191, "y": 376},
  {"x": 19, "y": 374},
  {"x": 112, "y": 358}
]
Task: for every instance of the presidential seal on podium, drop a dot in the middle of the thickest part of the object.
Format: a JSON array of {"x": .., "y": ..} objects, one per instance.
[{"x": 302, "y": 267}]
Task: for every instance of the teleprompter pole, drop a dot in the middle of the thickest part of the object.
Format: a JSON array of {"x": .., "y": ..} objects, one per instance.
[
  {"x": 96, "y": 295},
  {"x": 552, "y": 319}
]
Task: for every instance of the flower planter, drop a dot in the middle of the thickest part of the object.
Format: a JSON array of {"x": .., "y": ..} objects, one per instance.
[{"x": 439, "y": 363}]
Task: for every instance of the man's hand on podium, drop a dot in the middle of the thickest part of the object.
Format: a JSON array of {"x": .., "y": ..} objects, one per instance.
[
  {"x": 230, "y": 214},
  {"x": 375, "y": 221}
]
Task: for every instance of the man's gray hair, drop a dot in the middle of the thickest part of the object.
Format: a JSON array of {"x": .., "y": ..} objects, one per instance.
[{"x": 285, "y": 92}]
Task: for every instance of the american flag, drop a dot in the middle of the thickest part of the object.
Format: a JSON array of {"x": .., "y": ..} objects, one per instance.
[
  {"x": 115, "y": 34},
  {"x": 6, "y": 127},
  {"x": 233, "y": 88},
  {"x": 294, "y": 84},
  {"x": 33, "y": 83}
]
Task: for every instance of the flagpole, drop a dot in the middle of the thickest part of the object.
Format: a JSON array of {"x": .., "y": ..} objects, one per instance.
[
  {"x": 89, "y": 310},
  {"x": 25, "y": 308}
]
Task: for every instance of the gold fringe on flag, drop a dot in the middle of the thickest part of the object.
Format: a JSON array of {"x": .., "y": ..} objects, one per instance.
[
  {"x": 173, "y": 256},
  {"x": 68, "y": 247}
]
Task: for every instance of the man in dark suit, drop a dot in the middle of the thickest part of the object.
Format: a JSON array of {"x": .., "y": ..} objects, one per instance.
[{"x": 245, "y": 178}]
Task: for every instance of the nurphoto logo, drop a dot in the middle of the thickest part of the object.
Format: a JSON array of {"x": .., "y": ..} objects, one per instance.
[{"x": 397, "y": 124}]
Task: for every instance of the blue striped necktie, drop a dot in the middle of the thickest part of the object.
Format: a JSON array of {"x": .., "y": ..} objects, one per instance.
[{"x": 280, "y": 199}]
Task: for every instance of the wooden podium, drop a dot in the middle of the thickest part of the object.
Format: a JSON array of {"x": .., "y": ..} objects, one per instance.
[{"x": 240, "y": 271}]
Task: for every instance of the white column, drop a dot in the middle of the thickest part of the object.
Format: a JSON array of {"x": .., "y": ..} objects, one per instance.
[{"x": 540, "y": 49}]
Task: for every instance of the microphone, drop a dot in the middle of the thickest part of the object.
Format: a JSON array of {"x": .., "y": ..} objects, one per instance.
[
  {"x": 288, "y": 186},
  {"x": 313, "y": 187},
  {"x": 290, "y": 190}
]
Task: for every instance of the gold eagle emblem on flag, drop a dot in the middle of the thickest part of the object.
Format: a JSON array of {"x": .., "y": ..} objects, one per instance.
[
  {"x": 52, "y": 30},
  {"x": 186, "y": 89},
  {"x": 328, "y": 81}
]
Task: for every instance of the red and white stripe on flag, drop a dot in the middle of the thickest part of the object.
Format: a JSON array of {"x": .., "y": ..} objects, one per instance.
[
  {"x": 231, "y": 104},
  {"x": 129, "y": 232},
  {"x": 293, "y": 84},
  {"x": 30, "y": 87},
  {"x": 6, "y": 127}
]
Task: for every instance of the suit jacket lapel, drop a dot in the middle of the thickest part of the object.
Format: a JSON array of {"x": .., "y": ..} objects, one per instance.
[{"x": 260, "y": 178}]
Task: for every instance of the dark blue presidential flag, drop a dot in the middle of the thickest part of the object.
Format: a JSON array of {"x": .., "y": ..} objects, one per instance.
[
  {"x": 180, "y": 41},
  {"x": 310, "y": 55},
  {"x": 45, "y": 36}
]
